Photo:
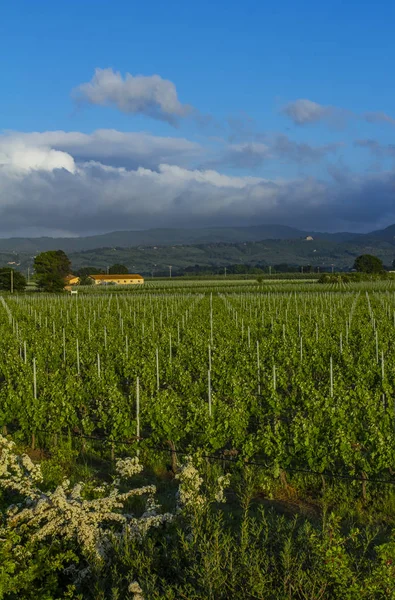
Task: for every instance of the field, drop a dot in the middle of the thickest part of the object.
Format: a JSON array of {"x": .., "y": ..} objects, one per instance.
[{"x": 286, "y": 388}]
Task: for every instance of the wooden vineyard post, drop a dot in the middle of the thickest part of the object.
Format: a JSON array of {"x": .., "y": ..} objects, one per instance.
[
  {"x": 331, "y": 376},
  {"x": 258, "y": 366},
  {"x": 209, "y": 391},
  {"x": 157, "y": 368},
  {"x": 34, "y": 379},
  {"x": 35, "y": 397},
  {"x": 138, "y": 412},
  {"x": 78, "y": 357},
  {"x": 98, "y": 366},
  {"x": 211, "y": 318}
]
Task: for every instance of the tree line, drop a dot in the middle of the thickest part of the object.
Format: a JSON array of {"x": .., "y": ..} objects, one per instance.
[{"x": 52, "y": 267}]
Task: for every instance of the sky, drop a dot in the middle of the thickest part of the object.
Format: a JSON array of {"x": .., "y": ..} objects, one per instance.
[{"x": 127, "y": 115}]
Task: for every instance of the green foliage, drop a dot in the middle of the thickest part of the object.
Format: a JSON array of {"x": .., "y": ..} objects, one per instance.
[
  {"x": 19, "y": 281},
  {"x": 367, "y": 263},
  {"x": 118, "y": 269},
  {"x": 291, "y": 425},
  {"x": 335, "y": 278},
  {"x": 85, "y": 272},
  {"x": 86, "y": 280},
  {"x": 50, "y": 269}
]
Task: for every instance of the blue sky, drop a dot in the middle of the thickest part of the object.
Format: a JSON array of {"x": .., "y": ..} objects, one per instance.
[{"x": 280, "y": 112}]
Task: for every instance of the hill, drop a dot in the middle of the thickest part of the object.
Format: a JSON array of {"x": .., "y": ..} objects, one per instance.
[
  {"x": 152, "y": 251},
  {"x": 317, "y": 253},
  {"x": 165, "y": 237}
]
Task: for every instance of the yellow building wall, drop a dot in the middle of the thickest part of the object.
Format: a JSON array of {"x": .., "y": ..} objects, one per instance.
[{"x": 119, "y": 281}]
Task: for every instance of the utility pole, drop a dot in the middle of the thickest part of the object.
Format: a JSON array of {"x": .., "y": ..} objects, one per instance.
[
  {"x": 270, "y": 270},
  {"x": 332, "y": 267},
  {"x": 170, "y": 270},
  {"x": 12, "y": 281},
  {"x": 225, "y": 271},
  {"x": 28, "y": 274}
]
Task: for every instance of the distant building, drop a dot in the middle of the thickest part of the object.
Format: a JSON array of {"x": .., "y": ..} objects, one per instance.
[
  {"x": 117, "y": 279},
  {"x": 72, "y": 280},
  {"x": 309, "y": 238}
]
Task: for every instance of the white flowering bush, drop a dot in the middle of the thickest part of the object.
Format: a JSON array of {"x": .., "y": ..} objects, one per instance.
[
  {"x": 81, "y": 523},
  {"x": 190, "y": 494},
  {"x": 127, "y": 467},
  {"x": 136, "y": 590},
  {"x": 18, "y": 473},
  {"x": 66, "y": 512}
]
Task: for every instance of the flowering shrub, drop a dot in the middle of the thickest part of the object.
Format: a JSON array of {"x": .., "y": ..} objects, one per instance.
[
  {"x": 190, "y": 494},
  {"x": 66, "y": 512},
  {"x": 69, "y": 514},
  {"x": 89, "y": 519}
]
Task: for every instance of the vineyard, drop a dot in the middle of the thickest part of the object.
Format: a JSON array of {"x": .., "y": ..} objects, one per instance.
[{"x": 292, "y": 384}]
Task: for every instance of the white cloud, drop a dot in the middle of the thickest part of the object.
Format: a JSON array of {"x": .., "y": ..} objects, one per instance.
[
  {"x": 175, "y": 174},
  {"x": 304, "y": 111},
  {"x": 278, "y": 147},
  {"x": 45, "y": 189},
  {"x": 379, "y": 117},
  {"x": 140, "y": 94},
  {"x": 19, "y": 156},
  {"x": 109, "y": 146}
]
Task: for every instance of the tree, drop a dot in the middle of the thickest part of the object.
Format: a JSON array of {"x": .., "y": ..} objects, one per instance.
[
  {"x": 367, "y": 263},
  {"x": 85, "y": 272},
  {"x": 51, "y": 269},
  {"x": 18, "y": 280},
  {"x": 118, "y": 270},
  {"x": 86, "y": 280}
]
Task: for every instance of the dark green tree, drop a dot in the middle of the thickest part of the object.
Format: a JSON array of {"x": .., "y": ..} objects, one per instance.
[
  {"x": 367, "y": 263},
  {"x": 51, "y": 269},
  {"x": 18, "y": 280},
  {"x": 86, "y": 280},
  {"x": 118, "y": 270},
  {"x": 85, "y": 272}
]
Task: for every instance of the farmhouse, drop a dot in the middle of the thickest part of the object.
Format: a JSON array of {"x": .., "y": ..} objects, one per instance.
[
  {"x": 72, "y": 280},
  {"x": 117, "y": 279}
]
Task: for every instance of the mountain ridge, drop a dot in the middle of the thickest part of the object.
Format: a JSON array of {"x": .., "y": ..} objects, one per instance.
[{"x": 178, "y": 236}]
